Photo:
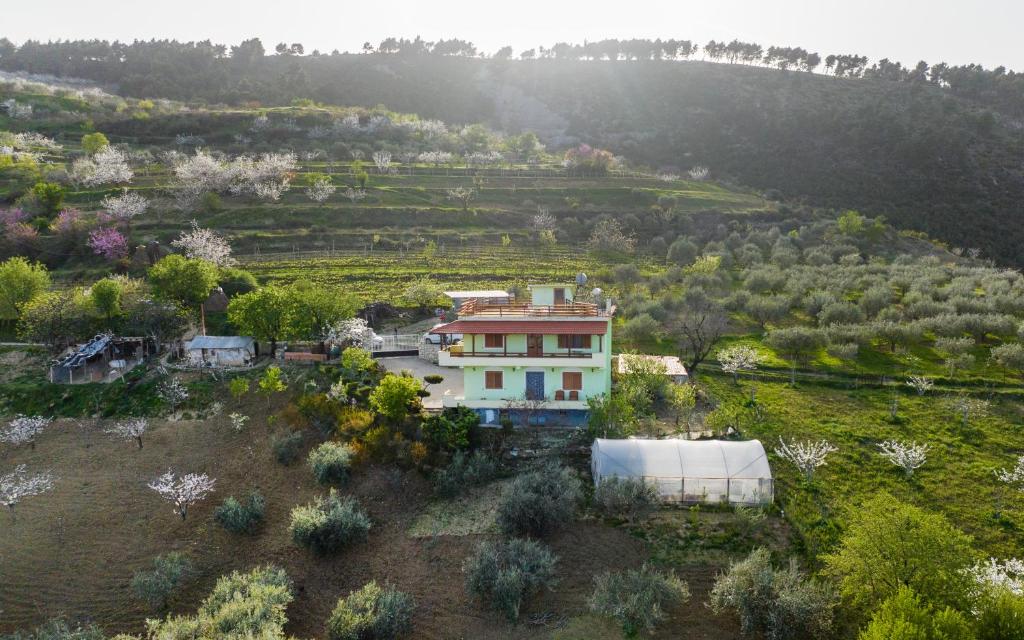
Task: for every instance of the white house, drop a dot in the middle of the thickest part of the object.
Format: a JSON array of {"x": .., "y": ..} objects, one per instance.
[{"x": 222, "y": 351}]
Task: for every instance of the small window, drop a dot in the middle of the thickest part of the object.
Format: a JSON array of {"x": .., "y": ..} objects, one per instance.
[
  {"x": 572, "y": 380},
  {"x": 494, "y": 340},
  {"x": 493, "y": 380}
]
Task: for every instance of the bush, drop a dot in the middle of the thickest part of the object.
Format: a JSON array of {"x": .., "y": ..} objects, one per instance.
[
  {"x": 286, "y": 448},
  {"x": 629, "y": 498},
  {"x": 331, "y": 462},
  {"x": 241, "y": 605},
  {"x": 239, "y": 517},
  {"x": 464, "y": 472},
  {"x": 322, "y": 413},
  {"x": 539, "y": 501},
  {"x": 502, "y": 573},
  {"x": 156, "y": 586},
  {"x": 371, "y": 613},
  {"x": 779, "y": 603},
  {"x": 1001, "y": 617},
  {"x": 889, "y": 543},
  {"x": 395, "y": 395},
  {"x": 329, "y": 524},
  {"x": 637, "y": 598},
  {"x": 905, "y": 616},
  {"x": 451, "y": 429},
  {"x": 642, "y": 327}
]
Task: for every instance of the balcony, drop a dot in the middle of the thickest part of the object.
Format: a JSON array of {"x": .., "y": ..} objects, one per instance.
[
  {"x": 457, "y": 356},
  {"x": 481, "y": 308}
]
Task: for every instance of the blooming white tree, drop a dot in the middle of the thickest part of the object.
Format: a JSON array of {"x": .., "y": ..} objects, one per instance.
[
  {"x": 908, "y": 456},
  {"x": 126, "y": 206},
  {"x": 238, "y": 421},
  {"x": 205, "y": 244},
  {"x": 354, "y": 195},
  {"x": 383, "y": 160},
  {"x": 1013, "y": 477},
  {"x": 18, "y": 485},
  {"x": 668, "y": 177},
  {"x": 352, "y": 331},
  {"x": 321, "y": 190},
  {"x": 173, "y": 392},
  {"x": 106, "y": 166},
  {"x": 197, "y": 175},
  {"x": 920, "y": 384},
  {"x": 130, "y": 429},
  {"x": 463, "y": 195},
  {"x": 995, "y": 575},
  {"x": 967, "y": 407},
  {"x": 807, "y": 456},
  {"x": 183, "y": 491},
  {"x": 24, "y": 430},
  {"x": 544, "y": 221},
  {"x": 699, "y": 173},
  {"x": 266, "y": 177},
  {"x": 436, "y": 158},
  {"x": 739, "y": 358}
]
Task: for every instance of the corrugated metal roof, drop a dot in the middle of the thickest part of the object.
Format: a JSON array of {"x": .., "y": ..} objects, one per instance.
[
  {"x": 483, "y": 293},
  {"x": 673, "y": 366},
  {"x": 220, "y": 342},
  {"x": 574, "y": 327}
]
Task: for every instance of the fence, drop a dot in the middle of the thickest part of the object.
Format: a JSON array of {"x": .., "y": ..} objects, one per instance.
[{"x": 400, "y": 342}]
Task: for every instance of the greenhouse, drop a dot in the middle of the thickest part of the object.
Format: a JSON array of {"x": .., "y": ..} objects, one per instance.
[{"x": 689, "y": 470}]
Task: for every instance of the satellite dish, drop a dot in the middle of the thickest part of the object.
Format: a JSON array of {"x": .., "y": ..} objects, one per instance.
[
  {"x": 596, "y": 294},
  {"x": 581, "y": 279}
]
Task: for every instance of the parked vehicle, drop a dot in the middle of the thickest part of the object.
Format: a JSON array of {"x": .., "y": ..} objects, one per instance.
[{"x": 435, "y": 338}]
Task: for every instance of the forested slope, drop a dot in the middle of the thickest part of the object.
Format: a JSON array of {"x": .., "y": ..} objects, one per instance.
[{"x": 913, "y": 151}]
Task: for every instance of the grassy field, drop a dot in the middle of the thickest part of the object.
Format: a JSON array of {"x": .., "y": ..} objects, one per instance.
[{"x": 957, "y": 479}]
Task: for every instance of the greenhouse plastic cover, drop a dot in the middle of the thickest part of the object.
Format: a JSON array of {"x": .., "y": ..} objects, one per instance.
[{"x": 689, "y": 470}]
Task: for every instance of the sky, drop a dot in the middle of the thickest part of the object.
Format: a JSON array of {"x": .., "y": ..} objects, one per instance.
[{"x": 957, "y": 32}]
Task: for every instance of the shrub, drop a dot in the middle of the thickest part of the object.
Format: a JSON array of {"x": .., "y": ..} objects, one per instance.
[
  {"x": 371, "y": 613},
  {"x": 451, "y": 429},
  {"x": 354, "y": 422},
  {"x": 286, "y": 448},
  {"x": 779, "y": 603},
  {"x": 464, "y": 472},
  {"x": 502, "y": 573},
  {"x": 331, "y": 462},
  {"x": 890, "y": 543},
  {"x": 905, "y": 616},
  {"x": 156, "y": 586},
  {"x": 539, "y": 501},
  {"x": 357, "y": 360},
  {"x": 629, "y": 498},
  {"x": 642, "y": 327},
  {"x": 637, "y": 598},
  {"x": 322, "y": 413},
  {"x": 394, "y": 396},
  {"x": 241, "y": 517},
  {"x": 1001, "y": 617},
  {"x": 329, "y": 524},
  {"x": 59, "y": 629},
  {"x": 241, "y": 605}
]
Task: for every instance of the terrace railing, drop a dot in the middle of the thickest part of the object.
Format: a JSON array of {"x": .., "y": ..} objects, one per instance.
[
  {"x": 456, "y": 352},
  {"x": 476, "y": 307}
]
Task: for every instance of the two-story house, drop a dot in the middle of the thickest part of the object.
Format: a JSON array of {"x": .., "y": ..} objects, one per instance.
[{"x": 545, "y": 357}]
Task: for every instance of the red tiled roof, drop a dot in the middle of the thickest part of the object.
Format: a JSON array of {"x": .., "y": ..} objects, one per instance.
[{"x": 578, "y": 327}]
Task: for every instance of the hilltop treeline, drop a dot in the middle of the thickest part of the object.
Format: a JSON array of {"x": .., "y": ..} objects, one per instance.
[{"x": 883, "y": 138}]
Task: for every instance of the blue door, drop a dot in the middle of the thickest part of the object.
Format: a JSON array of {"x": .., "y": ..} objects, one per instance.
[{"x": 534, "y": 385}]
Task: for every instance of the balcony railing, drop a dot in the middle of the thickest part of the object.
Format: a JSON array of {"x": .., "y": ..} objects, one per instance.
[
  {"x": 455, "y": 352},
  {"x": 478, "y": 307}
]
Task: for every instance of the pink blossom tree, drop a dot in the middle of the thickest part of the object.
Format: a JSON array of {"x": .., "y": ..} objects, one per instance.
[{"x": 109, "y": 243}]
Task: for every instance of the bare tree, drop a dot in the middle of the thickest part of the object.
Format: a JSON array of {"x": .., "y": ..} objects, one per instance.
[
  {"x": 18, "y": 485},
  {"x": 183, "y": 492},
  {"x": 130, "y": 429},
  {"x": 24, "y": 430},
  {"x": 966, "y": 407},
  {"x": 807, "y": 456},
  {"x": 696, "y": 330},
  {"x": 906, "y": 455}
]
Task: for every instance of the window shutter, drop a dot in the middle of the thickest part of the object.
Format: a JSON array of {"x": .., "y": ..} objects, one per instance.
[
  {"x": 572, "y": 380},
  {"x": 563, "y": 341}
]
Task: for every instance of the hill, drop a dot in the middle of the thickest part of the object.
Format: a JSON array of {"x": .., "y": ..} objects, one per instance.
[{"x": 924, "y": 156}]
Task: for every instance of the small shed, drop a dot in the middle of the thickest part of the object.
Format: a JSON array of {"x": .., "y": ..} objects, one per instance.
[
  {"x": 674, "y": 367},
  {"x": 103, "y": 358},
  {"x": 221, "y": 351},
  {"x": 689, "y": 470},
  {"x": 489, "y": 296}
]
